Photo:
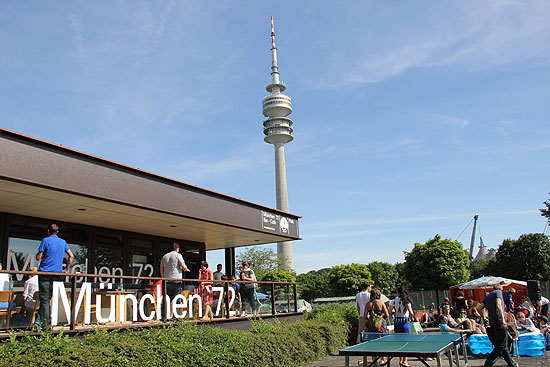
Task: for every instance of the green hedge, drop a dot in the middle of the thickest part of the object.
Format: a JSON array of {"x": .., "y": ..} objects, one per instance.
[
  {"x": 183, "y": 344},
  {"x": 335, "y": 313}
]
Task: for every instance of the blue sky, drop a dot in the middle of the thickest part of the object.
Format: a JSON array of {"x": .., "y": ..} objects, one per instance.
[{"x": 409, "y": 117}]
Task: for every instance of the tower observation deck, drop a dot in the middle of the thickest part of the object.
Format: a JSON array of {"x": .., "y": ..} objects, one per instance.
[{"x": 278, "y": 131}]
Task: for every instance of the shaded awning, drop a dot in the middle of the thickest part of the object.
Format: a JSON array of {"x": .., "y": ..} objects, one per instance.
[
  {"x": 489, "y": 282},
  {"x": 45, "y": 180}
]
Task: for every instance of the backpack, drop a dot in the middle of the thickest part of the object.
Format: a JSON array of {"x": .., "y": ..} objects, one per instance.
[{"x": 375, "y": 322}]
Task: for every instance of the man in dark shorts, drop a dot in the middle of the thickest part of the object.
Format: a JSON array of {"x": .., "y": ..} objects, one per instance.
[
  {"x": 172, "y": 266},
  {"x": 497, "y": 330},
  {"x": 50, "y": 254}
]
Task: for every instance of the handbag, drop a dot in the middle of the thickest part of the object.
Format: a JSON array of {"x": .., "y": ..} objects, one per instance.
[
  {"x": 416, "y": 328},
  {"x": 375, "y": 322}
]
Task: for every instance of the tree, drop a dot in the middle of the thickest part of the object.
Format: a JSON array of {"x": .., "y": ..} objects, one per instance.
[
  {"x": 546, "y": 212},
  {"x": 277, "y": 275},
  {"x": 314, "y": 284},
  {"x": 384, "y": 275},
  {"x": 437, "y": 264},
  {"x": 261, "y": 260},
  {"x": 346, "y": 280},
  {"x": 526, "y": 258},
  {"x": 401, "y": 278},
  {"x": 482, "y": 267}
]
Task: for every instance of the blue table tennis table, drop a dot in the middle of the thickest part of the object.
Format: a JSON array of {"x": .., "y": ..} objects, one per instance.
[{"x": 420, "y": 346}]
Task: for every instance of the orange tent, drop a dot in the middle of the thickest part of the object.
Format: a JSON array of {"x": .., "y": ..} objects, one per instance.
[{"x": 478, "y": 288}]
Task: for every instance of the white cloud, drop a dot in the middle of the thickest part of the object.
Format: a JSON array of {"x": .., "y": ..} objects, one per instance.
[
  {"x": 150, "y": 28},
  {"x": 78, "y": 39},
  {"x": 478, "y": 35}
]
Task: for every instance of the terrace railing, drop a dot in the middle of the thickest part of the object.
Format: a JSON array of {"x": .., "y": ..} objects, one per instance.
[{"x": 138, "y": 300}]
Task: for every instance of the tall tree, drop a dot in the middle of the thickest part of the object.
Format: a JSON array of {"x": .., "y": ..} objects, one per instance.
[
  {"x": 346, "y": 280},
  {"x": 314, "y": 284},
  {"x": 384, "y": 275},
  {"x": 262, "y": 260},
  {"x": 526, "y": 258},
  {"x": 437, "y": 264},
  {"x": 401, "y": 277},
  {"x": 278, "y": 275}
]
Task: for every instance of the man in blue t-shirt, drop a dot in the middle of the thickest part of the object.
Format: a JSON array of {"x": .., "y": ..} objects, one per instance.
[
  {"x": 497, "y": 330},
  {"x": 50, "y": 254}
]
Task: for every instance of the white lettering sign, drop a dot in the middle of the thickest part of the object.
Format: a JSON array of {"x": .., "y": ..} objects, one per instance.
[{"x": 179, "y": 307}]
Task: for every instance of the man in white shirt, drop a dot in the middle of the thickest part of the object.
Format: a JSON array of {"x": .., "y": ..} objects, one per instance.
[
  {"x": 31, "y": 286},
  {"x": 218, "y": 275},
  {"x": 361, "y": 301},
  {"x": 4, "y": 281}
]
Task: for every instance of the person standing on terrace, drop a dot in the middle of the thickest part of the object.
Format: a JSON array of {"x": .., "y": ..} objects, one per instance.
[
  {"x": 248, "y": 290},
  {"x": 50, "y": 253},
  {"x": 205, "y": 291},
  {"x": 172, "y": 266},
  {"x": 218, "y": 275}
]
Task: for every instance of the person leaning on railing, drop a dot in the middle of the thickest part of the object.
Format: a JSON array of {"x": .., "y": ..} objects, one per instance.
[
  {"x": 206, "y": 292},
  {"x": 50, "y": 253},
  {"x": 248, "y": 290}
]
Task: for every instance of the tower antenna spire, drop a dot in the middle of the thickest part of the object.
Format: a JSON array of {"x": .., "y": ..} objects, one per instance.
[
  {"x": 272, "y": 35},
  {"x": 274, "y": 67},
  {"x": 278, "y": 131}
]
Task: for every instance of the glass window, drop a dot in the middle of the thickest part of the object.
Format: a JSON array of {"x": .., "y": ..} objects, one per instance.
[
  {"x": 190, "y": 249},
  {"x": 165, "y": 246},
  {"x": 27, "y": 229},
  {"x": 108, "y": 239},
  {"x": 194, "y": 264},
  {"x": 22, "y": 255},
  {"x": 80, "y": 261},
  {"x": 136, "y": 242},
  {"x": 73, "y": 235},
  {"x": 141, "y": 265},
  {"x": 108, "y": 262}
]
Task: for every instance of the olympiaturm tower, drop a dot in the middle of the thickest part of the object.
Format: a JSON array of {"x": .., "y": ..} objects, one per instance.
[{"x": 278, "y": 131}]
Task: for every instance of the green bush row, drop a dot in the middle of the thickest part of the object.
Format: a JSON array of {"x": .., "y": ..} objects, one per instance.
[
  {"x": 338, "y": 314},
  {"x": 183, "y": 344}
]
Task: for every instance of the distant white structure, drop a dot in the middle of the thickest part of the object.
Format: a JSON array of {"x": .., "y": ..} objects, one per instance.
[
  {"x": 483, "y": 252},
  {"x": 278, "y": 131}
]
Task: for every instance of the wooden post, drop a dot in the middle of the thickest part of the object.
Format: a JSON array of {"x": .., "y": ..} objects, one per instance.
[
  {"x": 163, "y": 304},
  {"x": 226, "y": 299},
  {"x": 295, "y": 298},
  {"x": 73, "y": 302},
  {"x": 273, "y": 312}
]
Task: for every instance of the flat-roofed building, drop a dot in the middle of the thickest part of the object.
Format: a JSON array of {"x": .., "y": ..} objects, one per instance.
[{"x": 119, "y": 220}]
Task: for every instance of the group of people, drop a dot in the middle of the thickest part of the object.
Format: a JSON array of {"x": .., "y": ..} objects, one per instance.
[
  {"x": 499, "y": 318},
  {"x": 495, "y": 316},
  {"x": 51, "y": 254},
  {"x": 373, "y": 313},
  {"x": 244, "y": 293}
]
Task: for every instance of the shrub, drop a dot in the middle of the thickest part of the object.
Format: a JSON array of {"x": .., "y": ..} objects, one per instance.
[
  {"x": 183, "y": 344},
  {"x": 335, "y": 313}
]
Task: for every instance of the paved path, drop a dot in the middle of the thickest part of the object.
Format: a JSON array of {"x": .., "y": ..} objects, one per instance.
[{"x": 337, "y": 361}]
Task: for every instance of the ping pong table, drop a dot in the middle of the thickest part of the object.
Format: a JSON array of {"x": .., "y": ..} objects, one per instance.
[{"x": 420, "y": 346}]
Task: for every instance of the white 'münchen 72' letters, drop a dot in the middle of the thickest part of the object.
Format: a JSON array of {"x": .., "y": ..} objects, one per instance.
[{"x": 179, "y": 307}]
